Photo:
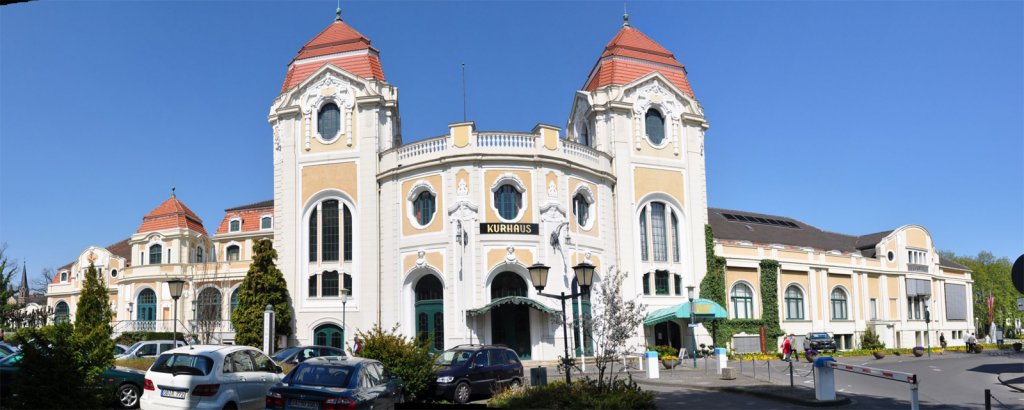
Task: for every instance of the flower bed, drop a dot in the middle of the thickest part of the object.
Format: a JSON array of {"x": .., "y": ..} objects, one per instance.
[{"x": 585, "y": 394}]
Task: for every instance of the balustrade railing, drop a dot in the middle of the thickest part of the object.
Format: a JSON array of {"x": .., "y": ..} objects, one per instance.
[
  {"x": 505, "y": 140},
  {"x": 578, "y": 150},
  {"x": 436, "y": 144}
]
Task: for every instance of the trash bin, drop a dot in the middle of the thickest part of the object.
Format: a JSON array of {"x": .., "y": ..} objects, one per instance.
[{"x": 538, "y": 376}]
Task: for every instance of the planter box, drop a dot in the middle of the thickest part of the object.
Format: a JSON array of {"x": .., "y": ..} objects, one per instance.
[
  {"x": 669, "y": 363},
  {"x": 918, "y": 352},
  {"x": 879, "y": 354}
]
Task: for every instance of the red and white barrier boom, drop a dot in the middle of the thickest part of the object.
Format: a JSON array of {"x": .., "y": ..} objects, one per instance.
[{"x": 825, "y": 386}]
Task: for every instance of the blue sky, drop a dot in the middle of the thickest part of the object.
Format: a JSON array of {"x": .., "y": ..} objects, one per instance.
[{"x": 852, "y": 116}]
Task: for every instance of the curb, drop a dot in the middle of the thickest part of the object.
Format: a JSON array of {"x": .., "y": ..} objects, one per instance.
[
  {"x": 1010, "y": 385},
  {"x": 839, "y": 401}
]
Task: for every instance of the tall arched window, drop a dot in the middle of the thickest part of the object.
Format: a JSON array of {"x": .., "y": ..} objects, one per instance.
[
  {"x": 643, "y": 235},
  {"x": 234, "y": 253},
  {"x": 658, "y": 232},
  {"x": 329, "y": 335},
  {"x": 655, "y": 126},
  {"x": 234, "y": 299},
  {"x": 675, "y": 238},
  {"x": 61, "y": 313},
  {"x": 328, "y": 121},
  {"x": 507, "y": 284},
  {"x": 423, "y": 207},
  {"x": 742, "y": 301},
  {"x": 146, "y": 305},
  {"x": 429, "y": 288},
  {"x": 794, "y": 303},
  {"x": 347, "y": 234},
  {"x": 508, "y": 200},
  {"x": 584, "y": 136},
  {"x": 314, "y": 222},
  {"x": 329, "y": 231},
  {"x": 329, "y": 283},
  {"x": 208, "y": 305},
  {"x": 581, "y": 208},
  {"x": 839, "y": 304},
  {"x": 156, "y": 254},
  {"x": 199, "y": 254}
]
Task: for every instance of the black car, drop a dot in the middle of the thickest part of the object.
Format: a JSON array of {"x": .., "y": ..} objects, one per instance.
[
  {"x": 337, "y": 382},
  {"x": 470, "y": 370},
  {"x": 819, "y": 341},
  {"x": 299, "y": 354}
]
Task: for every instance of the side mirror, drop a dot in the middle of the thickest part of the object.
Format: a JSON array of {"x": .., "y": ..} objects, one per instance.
[
  {"x": 278, "y": 369},
  {"x": 138, "y": 354}
]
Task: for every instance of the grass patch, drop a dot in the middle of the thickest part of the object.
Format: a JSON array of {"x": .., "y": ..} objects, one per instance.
[
  {"x": 142, "y": 363},
  {"x": 584, "y": 394}
]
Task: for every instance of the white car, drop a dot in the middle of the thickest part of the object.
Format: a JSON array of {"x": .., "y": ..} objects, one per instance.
[
  {"x": 210, "y": 377},
  {"x": 148, "y": 348}
]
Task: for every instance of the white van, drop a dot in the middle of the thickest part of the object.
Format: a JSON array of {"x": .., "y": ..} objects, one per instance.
[{"x": 149, "y": 348}]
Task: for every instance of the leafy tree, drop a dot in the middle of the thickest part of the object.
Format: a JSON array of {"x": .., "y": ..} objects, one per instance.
[
  {"x": 712, "y": 287},
  {"x": 264, "y": 284},
  {"x": 54, "y": 372},
  {"x": 406, "y": 357},
  {"x": 92, "y": 325},
  {"x": 614, "y": 322},
  {"x": 991, "y": 276},
  {"x": 7, "y": 269},
  {"x": 869, "y": 340}
]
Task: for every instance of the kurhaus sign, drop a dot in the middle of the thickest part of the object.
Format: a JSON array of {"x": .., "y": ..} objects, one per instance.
[{"x": 516, "y": 229}]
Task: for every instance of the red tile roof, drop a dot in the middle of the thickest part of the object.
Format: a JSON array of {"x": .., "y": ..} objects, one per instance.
[
  {"x": 336, "y": 38},
  {"x": 250, "y": 215},
  {"x": 171, "y": 214},
  {"x": 631, "y": 55}
]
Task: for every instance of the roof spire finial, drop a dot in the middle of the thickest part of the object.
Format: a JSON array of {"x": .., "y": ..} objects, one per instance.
[
  {"x": 172, "y": 191},
  {"x": 337, "y": 12},
  {"x": 625, "y": 16}
]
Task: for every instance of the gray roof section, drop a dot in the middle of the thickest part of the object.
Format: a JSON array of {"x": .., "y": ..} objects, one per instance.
[
  {"x": 803, "y": 235},
  {"x": 949, "y": 263},
  {"x": 255, "y": 205}
]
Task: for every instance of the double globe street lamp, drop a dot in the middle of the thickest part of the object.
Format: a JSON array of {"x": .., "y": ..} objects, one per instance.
[{"x": 584, "y": 277}]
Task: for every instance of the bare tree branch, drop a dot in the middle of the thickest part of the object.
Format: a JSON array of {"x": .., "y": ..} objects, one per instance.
[{"x": 41, "y": 283}]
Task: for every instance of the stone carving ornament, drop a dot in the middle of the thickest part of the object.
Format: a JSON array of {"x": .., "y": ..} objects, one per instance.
[{"x": 313, "y": 99}]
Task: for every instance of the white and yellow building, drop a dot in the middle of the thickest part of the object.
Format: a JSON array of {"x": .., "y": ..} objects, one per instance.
[{"x": 436, "y": 235}]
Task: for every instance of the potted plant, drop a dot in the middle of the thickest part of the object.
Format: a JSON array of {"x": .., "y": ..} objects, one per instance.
[
  {"x": 879, "y": 354},
  {"x": 869, "y": 341},
  {"x": 810, "y": 355},
  {"x": 1016, "y": 347},
  {"x": 918, "y": 351},
  {"x": 669, "y": 361}
]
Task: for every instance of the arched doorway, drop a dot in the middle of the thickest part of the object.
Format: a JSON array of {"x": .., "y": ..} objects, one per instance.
[
  {"x": 430, "y": 311},
  {"x": 668, "y": 334},
  {"x": 329, "y": 335},
  {"x": 510, "y": 322},
  {"x": 146, "y": 310},
  {"x": 62, "y": 313}
]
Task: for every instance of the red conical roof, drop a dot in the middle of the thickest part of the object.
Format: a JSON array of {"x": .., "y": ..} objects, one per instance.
[
  {"x": 171, "y": 214},
  {"x": 341, "y": 45},
  {"x": 631, "y": 55}
]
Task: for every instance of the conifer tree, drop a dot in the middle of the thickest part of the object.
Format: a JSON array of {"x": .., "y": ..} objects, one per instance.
[
  {"x": 92, "y": 325},
  {"x": 264, "y": 284}
]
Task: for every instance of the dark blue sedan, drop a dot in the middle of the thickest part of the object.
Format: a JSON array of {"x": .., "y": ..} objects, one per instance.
[{"x": 336, "y": 382}]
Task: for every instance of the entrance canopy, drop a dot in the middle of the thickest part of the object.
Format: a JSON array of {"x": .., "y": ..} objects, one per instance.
[
  {"x": 517, "y": 300},
  {"x": 703, "y": 308}
]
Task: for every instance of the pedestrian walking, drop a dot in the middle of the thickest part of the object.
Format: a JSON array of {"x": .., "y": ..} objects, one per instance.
[
  {"x": 942, "y": 343},
  {"x": 967, "y": 342},
  {"x": 973, "y": 342},
  {"x": 787, "y": 348}
]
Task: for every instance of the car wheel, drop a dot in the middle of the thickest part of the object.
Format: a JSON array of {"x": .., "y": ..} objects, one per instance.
[
  {"x": 462, "y": 393},
  {"x": 128, "y": 396},
  {"x": 515, "y": 384},
  {"x": 230, "y": 406}
]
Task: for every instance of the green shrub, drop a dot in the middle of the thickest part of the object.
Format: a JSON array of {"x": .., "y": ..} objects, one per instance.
[
  {"x": 410, "y": 360},
  {"x": 585, "y": 394},
  {"x": 869, "y": 340},
  {"x": 663, "y": 350},
  {"x": 130, "y": 338},
  {"x": 55, "y": 374}
]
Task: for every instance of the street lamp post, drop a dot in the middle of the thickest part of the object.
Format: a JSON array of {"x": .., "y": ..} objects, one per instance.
[
  {"x": 584, "y": 277},
  {"x": 195, "y": 319},
  {"x": 927, "y": 327},
  {"x": 175, "y": 286},
  {"x": 344, "y": 324},
  {"x": 130, "y": 320},
  {"x": 693, "y": 319}
]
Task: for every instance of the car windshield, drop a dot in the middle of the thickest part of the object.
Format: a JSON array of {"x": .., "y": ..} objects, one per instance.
[
  {"x": 820, "y": 336},
  {"x": 12, "y": 359},
  {"x": 283, "y": 354},
  {"x": 183, "y": 364},
  {"x": 315, "y": 375},
  {"x": 133, "y": 347},
  {"x": 454, "y": 357}
]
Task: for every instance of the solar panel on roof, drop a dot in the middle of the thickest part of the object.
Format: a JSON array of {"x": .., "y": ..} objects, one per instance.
[
  {"x": 760, "y": 220},
  {"x": 730, "y": 217}
]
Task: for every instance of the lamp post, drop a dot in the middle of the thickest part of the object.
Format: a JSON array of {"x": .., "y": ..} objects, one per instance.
[
  {"x": 195, "y": 319},
  {"x": 927, "y": 327},
  {"x": 130, "y": 320},
  {"x": 344, "y": 308},
  {"x": 175, "y": 286},
  {"x": 584, "y": 277},
  {"x": 693, "y": 329}
]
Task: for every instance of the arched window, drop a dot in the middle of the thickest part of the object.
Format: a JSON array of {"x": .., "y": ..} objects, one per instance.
[
  {"x": 742, "y": 301},
  {"x": 328, "y": 121},
  {"x": 429, "y": 288},
  {"x": 508, "y": 200},
  {"x": 675, "y": 237},
  {"x": 584, "y": 136},
  {"x": 643, "y": 235},
  {"x": 199, "y": 254},
  {"x": 329, "y": 244},
  {"x": 507, "y": 284},
  {"x": 235, "y": 225},
  {"x": 61, "y": 313},
  {"x": 329, "y": 335},
  {"x": 233, "y": 253},
  {"x": 347, "y": 226},
  {"x": 647, "y": 283},
  {"x": 63, "y": 276},
  {"x": 678, "y": 282},
  {"x": 329, "y": 282},
  {"x": 234, "y": 299},
  {"x": 208, "y": 305},
  {"x": 146, "y": 305},
  {"x": 581, "y": 207},
  {"x": 794, "y": 303},
  {"x": 156, "y": 254},
  {"x": 313, "y": 224},
  {"x": 658, "y": 232},
  {"x": 312, "y": 286},
  {"x": 655, "y": 126},
  {"x": 266, "y": 222},
  {"x": 839, "y": 304},
  {"x": 661, "y": 282},
  {"x": 423, "y": 207}
]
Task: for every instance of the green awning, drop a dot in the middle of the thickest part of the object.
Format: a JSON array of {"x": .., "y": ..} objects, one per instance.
[
  {"x": 703, "y": 308},
  {"x": 517, "y": 300}
]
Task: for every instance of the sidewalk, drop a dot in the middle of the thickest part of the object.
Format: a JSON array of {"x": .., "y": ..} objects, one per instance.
[{"x": 1013, "y": 380}]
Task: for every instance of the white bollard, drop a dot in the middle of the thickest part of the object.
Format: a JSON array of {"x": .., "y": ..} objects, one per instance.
[
  {"x": 652, "y": 365},
  {"x": 268, "y": 330},
  {"x": 721, "y": 358},
  {"x": 824, "y": 379}
]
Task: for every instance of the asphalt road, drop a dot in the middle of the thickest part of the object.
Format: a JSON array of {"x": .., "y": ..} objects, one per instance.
[{"x": 952, "y": 381}]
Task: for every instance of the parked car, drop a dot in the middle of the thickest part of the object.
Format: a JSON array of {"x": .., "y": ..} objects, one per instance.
[
  {"x": 6, "y": 349},
  {"x": 149, "y": 348},
  {"x": 337, "y": 382},
  {"x": 470, "y": 370},
  {"x": 210, "y": 377},
  {"x": 819, "y": 341},
  {"x": 120, "y": 349},
  {"x": 124, "y": 382},
  {"x": 298, "y": 354}
]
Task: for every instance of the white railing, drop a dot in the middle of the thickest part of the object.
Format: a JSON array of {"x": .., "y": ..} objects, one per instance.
[
  {"x": 149, "y": 326},
  {"x": 579, "y": 150},
  {"x": 436, "y": 144},
  {"x": 505, "y": 140}
]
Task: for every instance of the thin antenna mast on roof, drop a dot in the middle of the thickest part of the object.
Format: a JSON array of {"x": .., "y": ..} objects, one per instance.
[
  {"x": 625, "y": 16},
  {"x": 463, "y": 92}
]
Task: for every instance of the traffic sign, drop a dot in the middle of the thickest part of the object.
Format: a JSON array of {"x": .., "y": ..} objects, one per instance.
[{"x": 1017, "y": 274}]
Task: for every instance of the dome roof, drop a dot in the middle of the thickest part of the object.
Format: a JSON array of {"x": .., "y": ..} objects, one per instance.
[
  {"x": 171, "y": 214},
  {"x": 631, "y": 55},
  {"x": 338, "y": 44}
]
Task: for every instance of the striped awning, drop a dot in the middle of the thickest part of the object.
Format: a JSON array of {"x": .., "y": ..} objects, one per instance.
[
  {"x": 516, "y": 300},
  {"x": 702, "y": 308}
]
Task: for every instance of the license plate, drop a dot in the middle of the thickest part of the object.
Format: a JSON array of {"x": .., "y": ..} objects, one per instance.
[
  {"x": 304, "y": 404},
  {"x": 176, "y": 394}
]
